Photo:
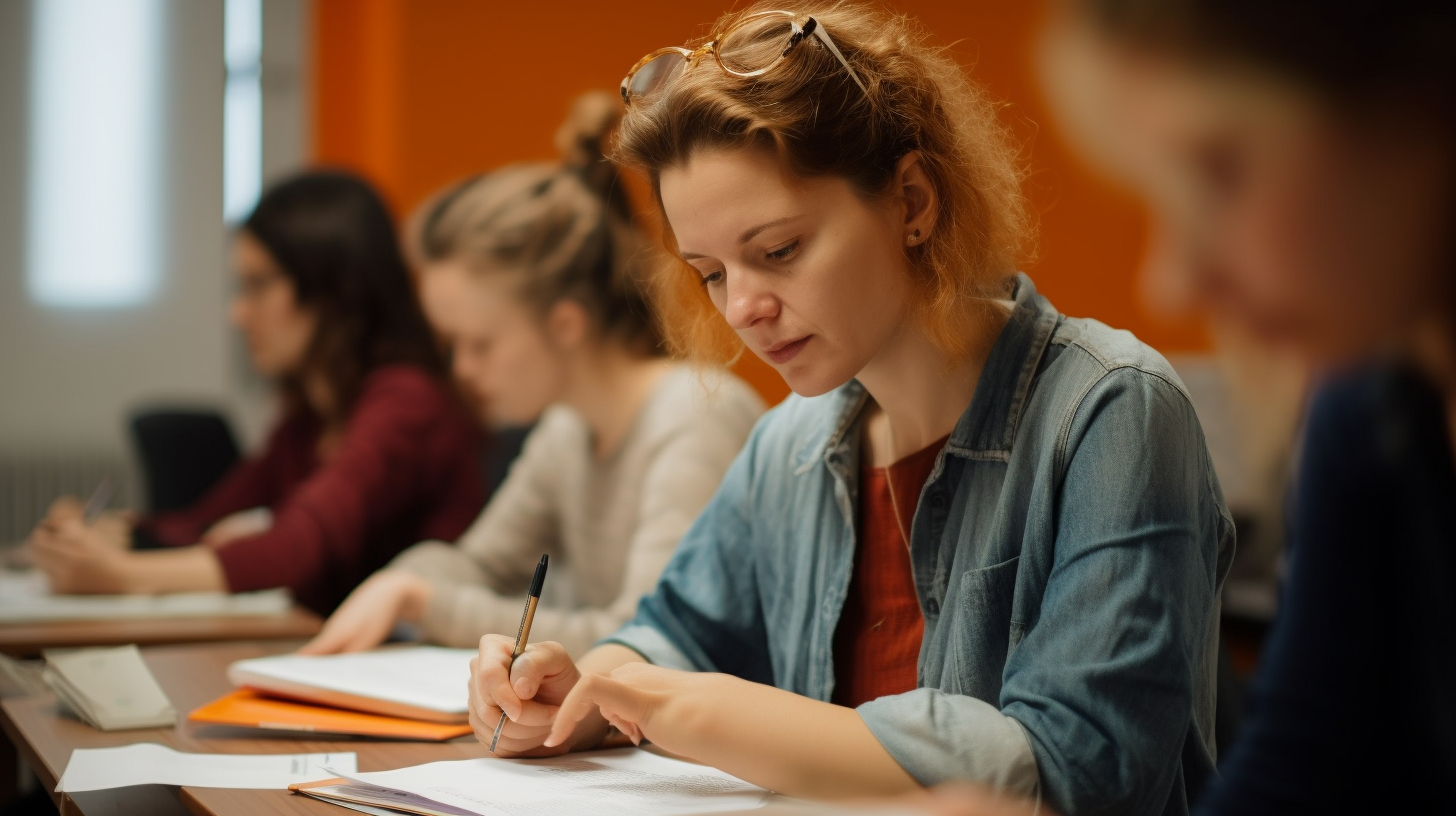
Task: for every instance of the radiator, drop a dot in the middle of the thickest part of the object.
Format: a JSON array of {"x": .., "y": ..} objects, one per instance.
[{"x": 29, "y": 483}]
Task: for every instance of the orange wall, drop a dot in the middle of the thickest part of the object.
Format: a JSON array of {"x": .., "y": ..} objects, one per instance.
[{"x": 415, "y": 93}]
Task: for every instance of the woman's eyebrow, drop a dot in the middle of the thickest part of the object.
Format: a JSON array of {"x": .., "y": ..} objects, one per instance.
[{"x": 748, "y": 234}]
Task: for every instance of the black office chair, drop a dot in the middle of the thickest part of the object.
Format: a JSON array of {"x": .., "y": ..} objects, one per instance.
[
  {"x": 501, "y": 449},
  {"x": 183, "y": 453}
]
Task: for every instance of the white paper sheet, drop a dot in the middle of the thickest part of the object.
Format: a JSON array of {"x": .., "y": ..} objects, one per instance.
[
  {"x": 147, "y": 763},
  {"x": 25, "y": 597},
  {"x": 625, "y": 782}
]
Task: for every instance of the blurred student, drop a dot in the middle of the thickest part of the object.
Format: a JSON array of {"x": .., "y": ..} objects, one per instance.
[
  {"x": 373, "y": 450},
  {"x": 533, "y": 273},
  {"x": 1300, "y": 161},
  {"x": 985, "y": 540}
]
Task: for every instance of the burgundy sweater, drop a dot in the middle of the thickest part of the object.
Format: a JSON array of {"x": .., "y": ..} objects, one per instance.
[{"x": 407, "y": 469}]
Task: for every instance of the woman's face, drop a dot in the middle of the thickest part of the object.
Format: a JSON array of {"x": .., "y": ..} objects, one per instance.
[
  {"x": 812, "y": 278},
  {"x": 500, "y": 349},
  {"x": 276, "y": 329},
  {"x": 1318, "y": 233}
]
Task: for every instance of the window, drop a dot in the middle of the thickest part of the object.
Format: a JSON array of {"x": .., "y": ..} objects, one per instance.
[
  {"x": 94, "y": 175},
  {"x": 242, "y": 108}
]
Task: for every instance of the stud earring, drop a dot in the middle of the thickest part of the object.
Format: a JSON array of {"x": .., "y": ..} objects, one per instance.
[{"x": 914, "y": 237}]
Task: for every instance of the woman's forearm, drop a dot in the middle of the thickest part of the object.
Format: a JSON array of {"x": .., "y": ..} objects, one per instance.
[
  {"x": 780, "y": 740},
  {"x": 184, "y": 569}
]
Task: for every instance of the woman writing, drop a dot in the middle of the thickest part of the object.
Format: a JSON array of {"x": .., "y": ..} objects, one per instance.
[
  {"x": 372, "y": 452},
  {"x": 984, "y": 541},
  {"x": 532, "y": 273}
]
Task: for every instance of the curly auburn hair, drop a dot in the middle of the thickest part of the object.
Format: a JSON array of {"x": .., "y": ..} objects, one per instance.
[{"x": 819, "y": 122}]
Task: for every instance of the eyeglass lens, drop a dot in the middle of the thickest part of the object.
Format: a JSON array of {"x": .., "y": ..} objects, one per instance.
[
  {"x": 651, "y": 76},
  {"x": 756, "y": 44}
]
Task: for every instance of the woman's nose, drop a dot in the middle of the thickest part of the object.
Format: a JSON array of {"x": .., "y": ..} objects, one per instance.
[{"x": 748, "y": 301}]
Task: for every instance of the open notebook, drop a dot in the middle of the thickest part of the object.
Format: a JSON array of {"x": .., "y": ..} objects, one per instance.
[
  {"x": 622, "y": 782},
  {"x": 416, "y": 682}
]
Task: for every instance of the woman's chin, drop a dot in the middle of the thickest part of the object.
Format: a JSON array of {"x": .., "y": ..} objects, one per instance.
[{"x": 812, "y": 382}]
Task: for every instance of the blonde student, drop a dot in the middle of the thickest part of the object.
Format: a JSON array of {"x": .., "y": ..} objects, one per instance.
[
  {"x": 533, "y": 274},
  {"x": 983, "y": 542}
]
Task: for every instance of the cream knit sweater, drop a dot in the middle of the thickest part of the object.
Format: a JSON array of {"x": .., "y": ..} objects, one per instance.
[{"x": 610, "y": 525}]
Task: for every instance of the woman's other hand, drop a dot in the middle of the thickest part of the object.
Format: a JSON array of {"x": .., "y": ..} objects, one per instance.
[
  {"x": 367, "y": 616},
  {"x": 635, "y": 697}
]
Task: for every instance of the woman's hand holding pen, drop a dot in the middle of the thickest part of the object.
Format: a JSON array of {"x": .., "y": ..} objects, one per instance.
[
  {"x": 81, "y": 559},
  {"x": 531, "y": 691},
  {"x": 528, "y": 691},
  {"x": 111, "y": 526}
]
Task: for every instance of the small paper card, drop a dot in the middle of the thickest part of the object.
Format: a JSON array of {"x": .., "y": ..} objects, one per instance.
[{"x": 111, "y": 689}]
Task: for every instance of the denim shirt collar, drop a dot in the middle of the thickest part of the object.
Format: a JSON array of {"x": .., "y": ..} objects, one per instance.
[{"x": 988, "y": 426}]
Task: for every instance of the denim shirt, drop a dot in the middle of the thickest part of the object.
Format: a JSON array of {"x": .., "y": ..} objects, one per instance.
[{"x": 1068, "y": 551}]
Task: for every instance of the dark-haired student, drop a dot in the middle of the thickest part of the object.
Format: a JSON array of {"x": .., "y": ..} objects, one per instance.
[
  {"x": 373, "y": 450},
  {"x": 983, "y": 540}
]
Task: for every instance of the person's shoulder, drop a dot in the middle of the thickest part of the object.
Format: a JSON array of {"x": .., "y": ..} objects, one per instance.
[
  {"x": 401, "y": 381},
  {"x": 1097, "y": 350},
  {"x": 689, "y": 389},
  {"x": 1376, "y": 411},
  {"x": 409, "y": 394}
]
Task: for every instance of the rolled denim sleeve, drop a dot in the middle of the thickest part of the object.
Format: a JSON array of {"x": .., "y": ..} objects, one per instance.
[
  {"x": 938, "y": 737},
  {"x": 1111, "y": 679},
  {"x": 704, "y": 614}
]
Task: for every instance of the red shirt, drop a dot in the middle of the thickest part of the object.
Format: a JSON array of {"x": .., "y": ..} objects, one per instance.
[
  {"x": 877, "y": 640},
  {"x": 407, "y": 469}
]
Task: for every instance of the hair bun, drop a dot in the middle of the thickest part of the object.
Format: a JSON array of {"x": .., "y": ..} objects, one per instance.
[
  {"x": 581, "y": 138},
  {"x": 582, "y": 141}
]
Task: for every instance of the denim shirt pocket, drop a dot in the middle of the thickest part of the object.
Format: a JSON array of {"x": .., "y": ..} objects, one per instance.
[{"x": 982, "y": 633}]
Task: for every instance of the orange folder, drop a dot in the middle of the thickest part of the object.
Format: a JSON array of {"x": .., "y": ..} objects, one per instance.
[{"x": 251, "y": 709}]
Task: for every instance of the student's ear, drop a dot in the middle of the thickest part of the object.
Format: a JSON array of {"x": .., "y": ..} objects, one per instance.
[
  {"x": 919, "y": 201},
  {"x": 568, "y": 324}
]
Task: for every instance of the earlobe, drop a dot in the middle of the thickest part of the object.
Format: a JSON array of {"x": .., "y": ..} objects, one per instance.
[
  {"x": 568, "y": 323},
  {"x": 918, "y": 196}
]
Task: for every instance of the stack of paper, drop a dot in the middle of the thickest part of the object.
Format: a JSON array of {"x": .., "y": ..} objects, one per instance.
[
  {"x": 111, "y": 689},
  {"x": 414, "y": 693},
  {"x": 624, "y": 782}
]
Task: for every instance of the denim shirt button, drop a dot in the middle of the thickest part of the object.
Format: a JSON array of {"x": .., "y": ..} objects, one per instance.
[{"x": 932, "y": 606}]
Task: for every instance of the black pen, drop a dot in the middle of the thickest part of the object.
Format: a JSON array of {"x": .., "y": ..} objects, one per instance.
[{"x": 522, "y": 634}]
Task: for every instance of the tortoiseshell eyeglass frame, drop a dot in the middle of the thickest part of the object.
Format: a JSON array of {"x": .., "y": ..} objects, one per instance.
[{"x": 690, "y": 57}]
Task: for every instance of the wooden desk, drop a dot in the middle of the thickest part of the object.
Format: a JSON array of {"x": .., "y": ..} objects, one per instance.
[
  {"x": 28, "y": 639},
  {"x": 191, "y": 676}
]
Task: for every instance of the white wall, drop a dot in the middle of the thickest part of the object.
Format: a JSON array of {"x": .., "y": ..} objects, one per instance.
[{"x": 68, "y": 378}]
